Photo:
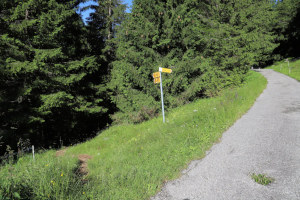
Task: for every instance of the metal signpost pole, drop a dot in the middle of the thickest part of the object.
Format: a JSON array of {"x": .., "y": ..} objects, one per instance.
[
  {"x": 287, "y": 60},
  {"x": 162, "y": 96},
  {"x": 158, "y": 79}
]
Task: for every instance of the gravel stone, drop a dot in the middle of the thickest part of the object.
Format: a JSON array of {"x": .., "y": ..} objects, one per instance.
[{"x": 266, "y": 140}]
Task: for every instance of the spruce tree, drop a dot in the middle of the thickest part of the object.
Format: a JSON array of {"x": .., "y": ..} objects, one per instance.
[
  {"x": 249, "y": 39},
  {"x": 52, "y": 88},
  {"x": 287, "y": 28},
  {"x": 102, "y": 25},
  {"x": 208, "y": 44},
  {"x": 157, "y": 34}
]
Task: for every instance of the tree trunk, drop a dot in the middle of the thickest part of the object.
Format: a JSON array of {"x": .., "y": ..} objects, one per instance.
[
  {"x": 26, "y": 14},
  {"x": 109, "y": 20}
]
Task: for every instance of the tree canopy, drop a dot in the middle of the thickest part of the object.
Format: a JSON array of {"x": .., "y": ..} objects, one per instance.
[
  {"x": 64, "y": 80},
  {"x": 51, "y": 87},
  {"x": 209, "y": 45}
]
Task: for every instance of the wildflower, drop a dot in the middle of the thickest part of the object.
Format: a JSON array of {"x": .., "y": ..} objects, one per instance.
[
  {"x": 52, "y": 182},
  {"x": 62, "y": 174},
  {"x": 47, "y": 165},
  {"x": 83, "y": 192}
]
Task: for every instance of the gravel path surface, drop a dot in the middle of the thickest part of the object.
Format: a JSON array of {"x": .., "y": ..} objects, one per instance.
[{"x": 265, "y": 140}]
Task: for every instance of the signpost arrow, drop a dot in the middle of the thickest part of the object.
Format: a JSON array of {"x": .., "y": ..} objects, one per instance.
[
  {"x": 157, "y": 80},
  {"x": 156, "y": 75},
  {"x": 166, "y": 70}
]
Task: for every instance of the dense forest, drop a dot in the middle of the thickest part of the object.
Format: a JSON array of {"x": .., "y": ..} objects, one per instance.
[{"x": 63, "y": 80}]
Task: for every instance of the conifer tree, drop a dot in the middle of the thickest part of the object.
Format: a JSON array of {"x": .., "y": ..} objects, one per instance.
[
  {"x": 102, "y": 26},
  {"x": 52, "y": 88},
  {"x": 287, "y": 28},
  {"x": 208, "y": 44},
  {"x": 249, "y": 31}
]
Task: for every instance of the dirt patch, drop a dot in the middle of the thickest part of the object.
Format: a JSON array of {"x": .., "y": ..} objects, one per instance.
[
  {"x": 60, "y": 153},
  {"x": 83, "y": 167}
]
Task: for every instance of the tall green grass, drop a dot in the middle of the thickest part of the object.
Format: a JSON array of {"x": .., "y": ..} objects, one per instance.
[
  {"x": 293, "y": 70},
  {"x": 131, "y": 161}
]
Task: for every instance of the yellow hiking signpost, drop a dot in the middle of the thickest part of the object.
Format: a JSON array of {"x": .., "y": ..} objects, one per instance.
[
  {"x": 158, "y": 79},
  {"x": 166, "y": 70},
  {"x": 156, "y": 75}
]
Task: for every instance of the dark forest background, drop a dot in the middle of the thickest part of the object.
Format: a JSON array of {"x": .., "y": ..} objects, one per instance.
[{"x": 62, "y": 81}]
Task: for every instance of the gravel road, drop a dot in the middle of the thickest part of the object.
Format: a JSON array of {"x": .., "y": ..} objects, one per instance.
[{"x": 265, "y": 140}]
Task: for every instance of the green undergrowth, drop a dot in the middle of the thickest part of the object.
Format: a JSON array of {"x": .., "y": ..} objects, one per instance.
[
  {"x": 291, "y": 69},
  {"x": 131, "y": 161},
  {"x": 262, "y": 179}
]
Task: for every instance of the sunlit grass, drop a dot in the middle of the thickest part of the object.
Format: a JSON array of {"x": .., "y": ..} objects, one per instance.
[
  {"x": 291, "y": 69},
  {"x": 131, "y": 161}
]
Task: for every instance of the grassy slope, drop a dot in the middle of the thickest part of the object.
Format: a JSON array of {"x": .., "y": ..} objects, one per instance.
[
  {"x": 282, "y": 67},
  {"x": 133, "y": 161}
]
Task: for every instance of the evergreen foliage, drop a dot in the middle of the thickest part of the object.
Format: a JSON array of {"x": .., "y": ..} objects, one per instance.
[
  {"x": 208, "y": 45},
  {"x": 60, "y": 79},
  {"x": 103, "y": 22},
  {"x": 288, "y": 28},
  {"x": 51, "y": 89}
]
